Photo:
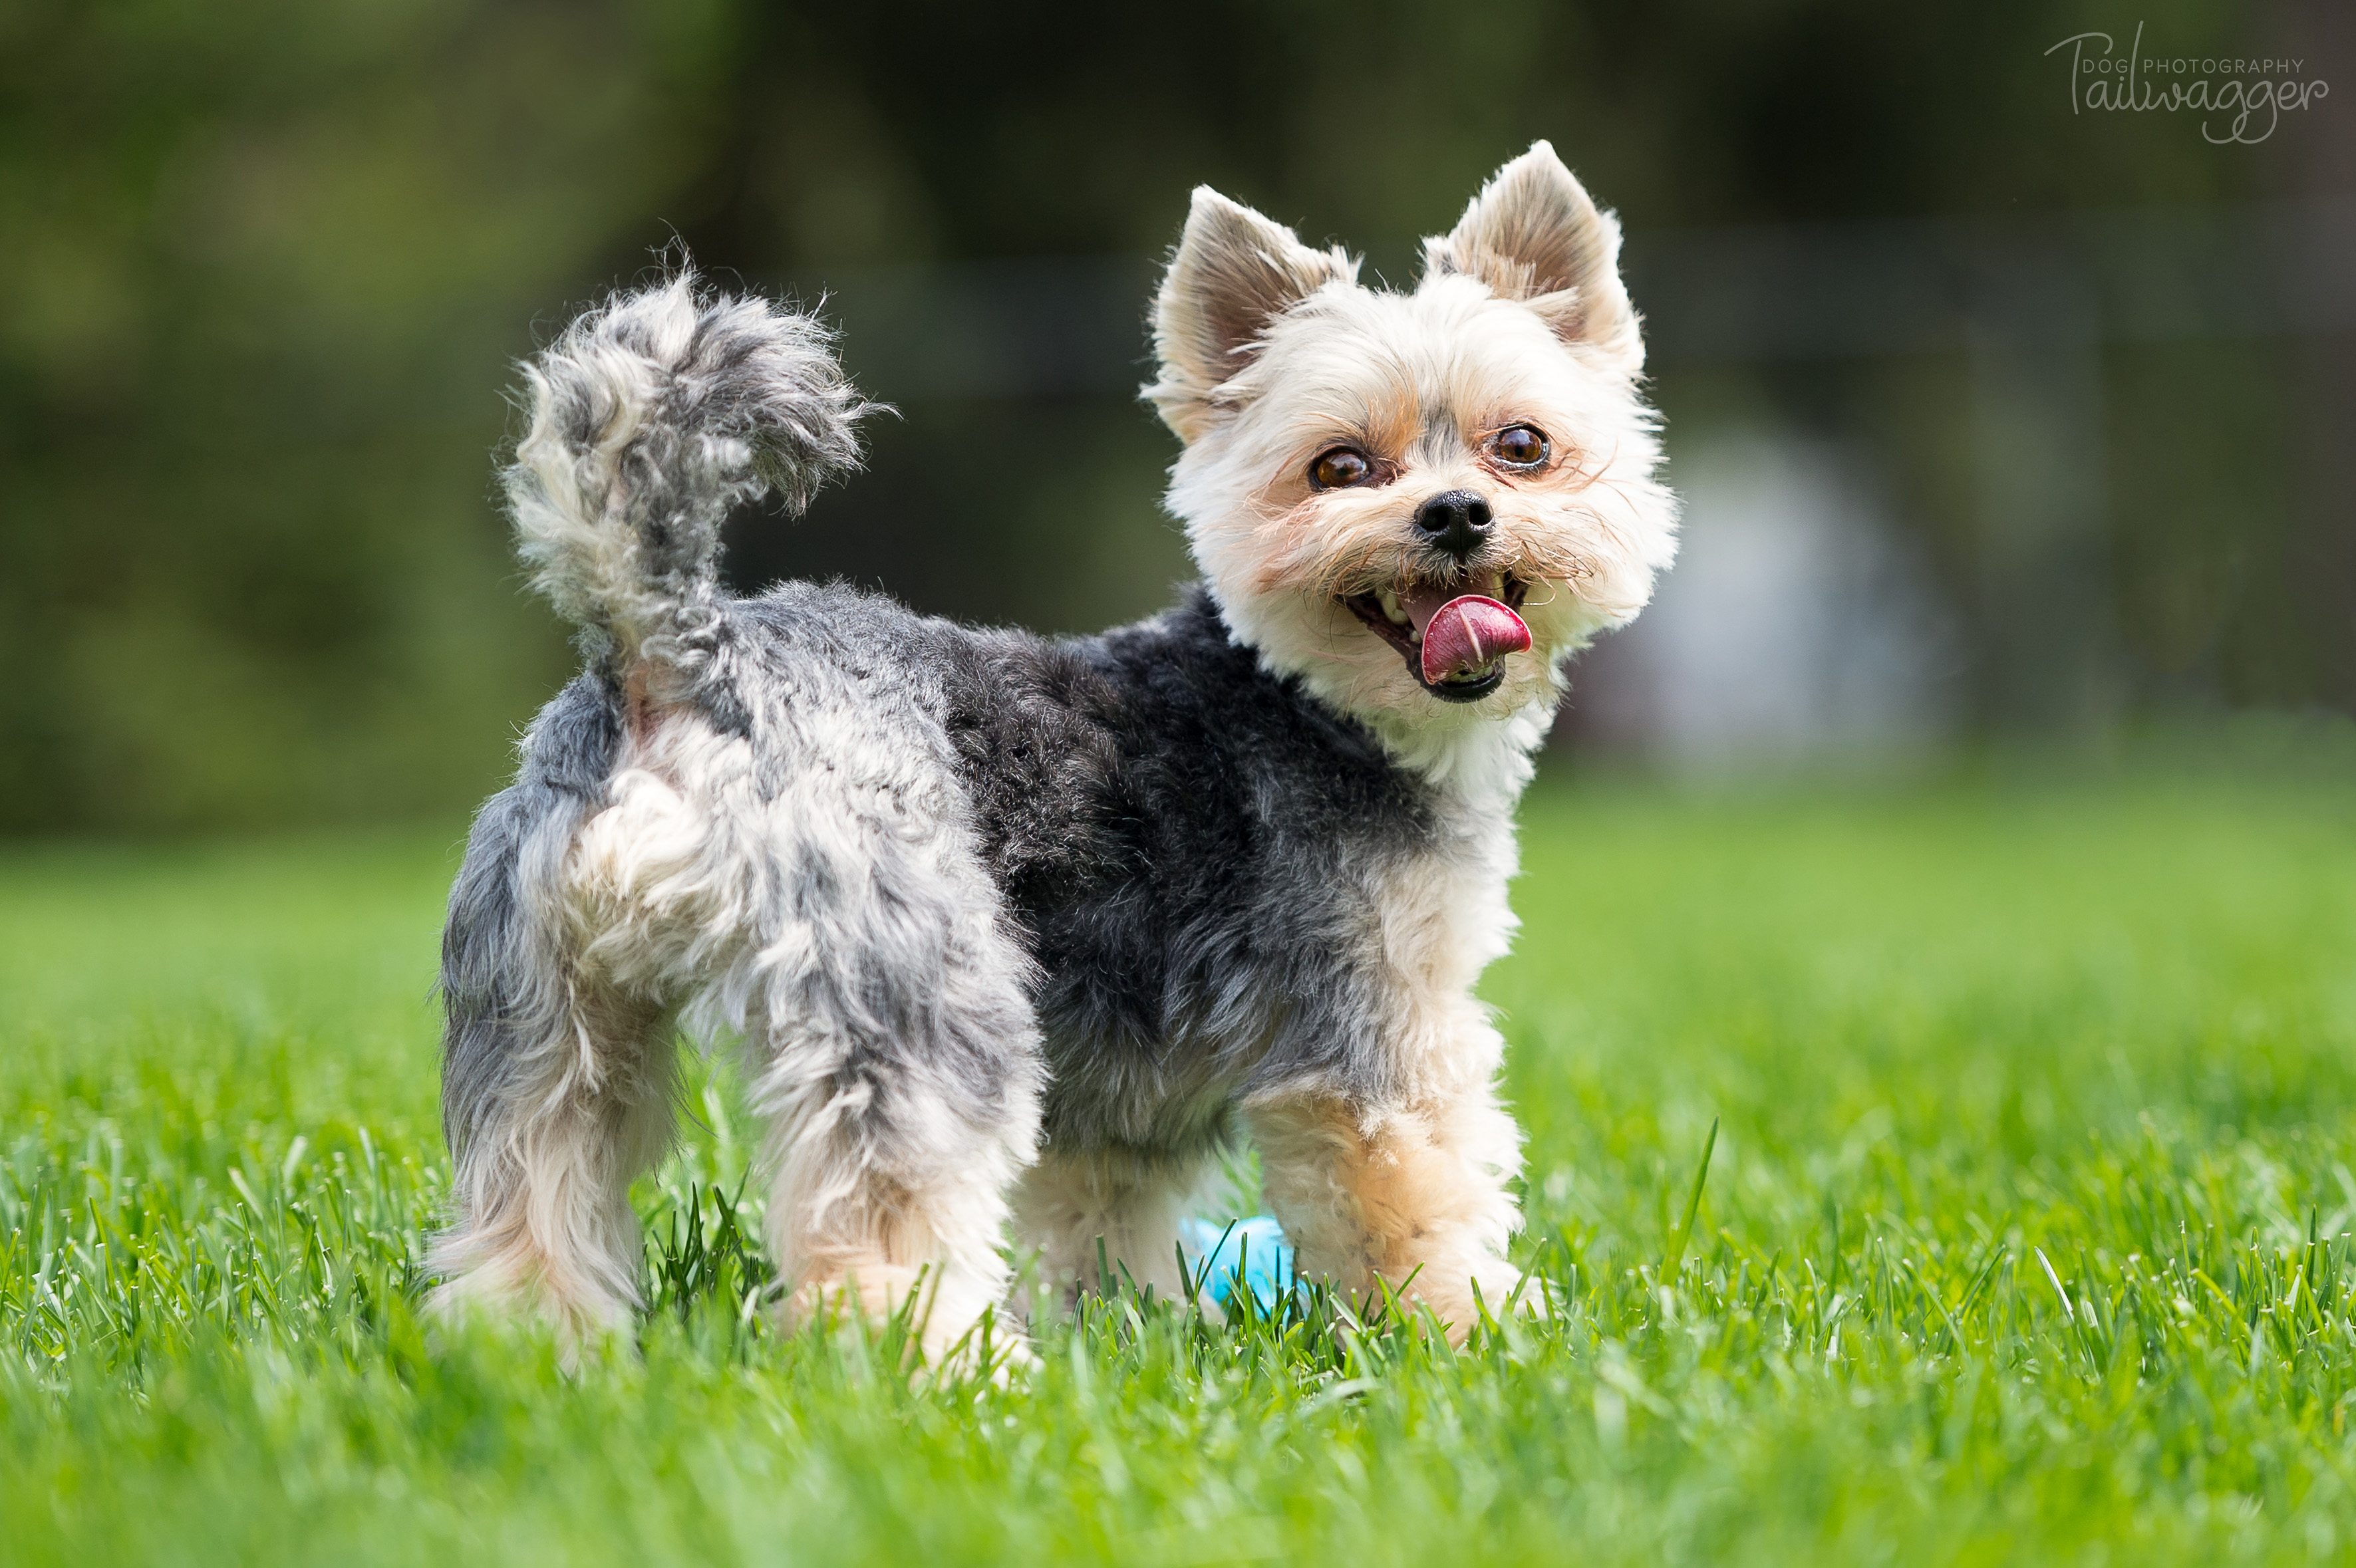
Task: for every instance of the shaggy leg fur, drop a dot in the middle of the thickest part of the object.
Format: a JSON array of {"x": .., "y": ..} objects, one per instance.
[
  {"x": 556, "y": 1083},
  {"x": 1412, "y": 1192},
  {"x": 1133, "y": 1203},
  {"x": 825, "y": 904},
  {"x": 889, "y": 1184},
  {"x": 542, "y": 1189}
]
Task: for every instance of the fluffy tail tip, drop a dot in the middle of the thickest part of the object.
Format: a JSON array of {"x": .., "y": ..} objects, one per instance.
[{"x": 651, "y": 416}]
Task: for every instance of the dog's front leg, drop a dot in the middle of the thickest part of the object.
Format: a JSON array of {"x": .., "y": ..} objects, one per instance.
[{"x": 1413, "y": 1192}]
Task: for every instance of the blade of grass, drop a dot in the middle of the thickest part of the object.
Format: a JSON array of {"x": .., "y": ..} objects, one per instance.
[{"x": 1676, "y": 1255}]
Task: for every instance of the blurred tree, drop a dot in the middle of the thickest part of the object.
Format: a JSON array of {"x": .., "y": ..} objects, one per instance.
[{"x": 268, "y": 263}]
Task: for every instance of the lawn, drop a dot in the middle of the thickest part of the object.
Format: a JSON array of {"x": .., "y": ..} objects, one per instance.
[{"x": 2023, "y": 1238}]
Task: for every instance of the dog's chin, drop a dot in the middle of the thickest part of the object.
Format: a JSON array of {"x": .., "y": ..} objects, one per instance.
[{"x": 1405, "y": 636}]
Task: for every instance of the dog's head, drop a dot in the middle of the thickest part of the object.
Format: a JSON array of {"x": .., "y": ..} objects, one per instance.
[{"x": 1419, "y": 503}]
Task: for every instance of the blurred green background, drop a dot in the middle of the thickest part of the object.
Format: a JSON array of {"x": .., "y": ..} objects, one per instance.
[{"x": 2081, "y": 383}]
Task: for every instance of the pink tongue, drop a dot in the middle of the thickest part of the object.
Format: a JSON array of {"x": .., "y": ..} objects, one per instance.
[{"x": 1464, "y": 635}]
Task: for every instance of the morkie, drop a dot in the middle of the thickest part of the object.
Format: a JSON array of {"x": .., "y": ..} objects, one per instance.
[{"x": 1011, "y": 928}]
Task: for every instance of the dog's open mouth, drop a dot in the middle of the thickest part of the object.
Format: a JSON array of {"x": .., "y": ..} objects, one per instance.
[{"x": 1453, "y": 635}]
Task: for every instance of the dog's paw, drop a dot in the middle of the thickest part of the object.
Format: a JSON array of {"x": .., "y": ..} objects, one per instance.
[
  {"x": 582, "y": 1334},
  {"x": 1489, "y": 1293}
]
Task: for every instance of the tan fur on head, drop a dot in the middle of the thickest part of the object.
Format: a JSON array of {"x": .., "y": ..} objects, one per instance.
[{"x": 1271, "y": 353}]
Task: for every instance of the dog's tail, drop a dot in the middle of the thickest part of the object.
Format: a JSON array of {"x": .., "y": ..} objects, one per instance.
[{"x": 651, "y": 416}]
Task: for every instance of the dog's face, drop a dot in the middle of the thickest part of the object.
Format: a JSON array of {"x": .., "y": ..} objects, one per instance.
[{"x": 1419, "y": 503}]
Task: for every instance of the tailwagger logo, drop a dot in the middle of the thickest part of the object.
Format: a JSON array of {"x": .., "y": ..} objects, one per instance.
[{"x": 2238, "y": 99}]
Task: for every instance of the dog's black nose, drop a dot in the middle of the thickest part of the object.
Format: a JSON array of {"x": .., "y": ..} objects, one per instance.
[{"x": 1454, "y": 520}]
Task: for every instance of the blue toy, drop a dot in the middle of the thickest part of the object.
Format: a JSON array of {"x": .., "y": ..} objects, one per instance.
[{"x": 1252, "y": 1250}]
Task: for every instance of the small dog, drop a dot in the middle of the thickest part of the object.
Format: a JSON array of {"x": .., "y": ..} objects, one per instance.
[{"x": 1012, "y": 927}]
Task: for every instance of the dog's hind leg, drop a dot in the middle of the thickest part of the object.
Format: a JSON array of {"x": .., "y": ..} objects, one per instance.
[
  {"x": 542, "y": 1211},
  {"x": 895, "y": 1059},
  {"x": 891, "y": 1178},
  {"x": 557, "y": 1091},
  {"x": 892, "y": 1168}
]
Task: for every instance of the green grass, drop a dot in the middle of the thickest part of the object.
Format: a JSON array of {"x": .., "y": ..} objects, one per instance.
[{"x": 2023, "y": 1240}]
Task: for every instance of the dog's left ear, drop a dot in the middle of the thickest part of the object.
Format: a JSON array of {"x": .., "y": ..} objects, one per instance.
[
  {"x": 1234, "y": 272},
  {"x": 1534, "y": 235}
]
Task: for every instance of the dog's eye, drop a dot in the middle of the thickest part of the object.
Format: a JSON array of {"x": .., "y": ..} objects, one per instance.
[
  {"x": 1341, "y": 466},
  {"x": 1524, "y": 446}
]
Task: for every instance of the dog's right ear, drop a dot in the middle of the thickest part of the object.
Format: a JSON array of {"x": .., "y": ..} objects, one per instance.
[{"x": 1234, "y": 272}]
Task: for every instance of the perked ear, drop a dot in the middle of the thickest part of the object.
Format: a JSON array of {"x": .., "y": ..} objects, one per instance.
[
  {"x": 1533, "y": 235},
  {"x": 1234, "y": 272}
]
